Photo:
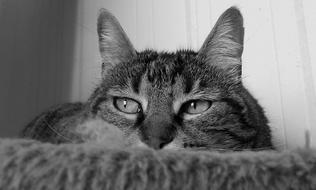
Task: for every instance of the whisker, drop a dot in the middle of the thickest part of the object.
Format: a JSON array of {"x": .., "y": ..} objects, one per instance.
[{"x": 57, "y": 133}]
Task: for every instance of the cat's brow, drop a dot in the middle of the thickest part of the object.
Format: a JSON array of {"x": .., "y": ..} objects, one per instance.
[
  {"x": 195, "y": 89},
  {"x": 117, "y": 91},
  {"x": 135, "y": 83}
]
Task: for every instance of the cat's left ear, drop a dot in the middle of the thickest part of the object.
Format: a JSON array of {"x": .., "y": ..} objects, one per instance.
[
  {"x": 115, "y": 47},
  {"x": 223, "y": 47}
]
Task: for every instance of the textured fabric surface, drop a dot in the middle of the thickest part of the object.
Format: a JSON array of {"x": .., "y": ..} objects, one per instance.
[{"x": 26, "y": 164}]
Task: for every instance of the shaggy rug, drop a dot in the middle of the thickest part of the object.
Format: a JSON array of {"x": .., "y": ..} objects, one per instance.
[{"x": 27, "y": 164}]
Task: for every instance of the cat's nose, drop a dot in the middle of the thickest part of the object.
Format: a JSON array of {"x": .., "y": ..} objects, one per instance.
[
  {"x": 157, "y": 143},
  {"x": 157, "y": 131}
]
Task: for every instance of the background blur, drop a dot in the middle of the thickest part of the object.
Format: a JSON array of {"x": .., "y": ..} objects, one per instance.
[{"x": 49, "y": 53}]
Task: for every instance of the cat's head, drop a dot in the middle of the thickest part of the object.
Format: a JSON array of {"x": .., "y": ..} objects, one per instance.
[{"x": 183, "y": 99}]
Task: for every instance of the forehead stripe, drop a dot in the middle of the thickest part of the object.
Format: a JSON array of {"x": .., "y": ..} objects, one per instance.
[
  {"x": 188, "y": 84},
  {"x": 136, "y": 83}
]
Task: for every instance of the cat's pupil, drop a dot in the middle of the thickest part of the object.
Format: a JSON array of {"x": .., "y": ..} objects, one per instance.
[
  {"x": 125, "y": 103},
  {"x": 193, "y": 104}
]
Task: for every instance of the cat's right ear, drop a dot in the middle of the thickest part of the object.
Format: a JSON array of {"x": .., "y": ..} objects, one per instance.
[
  {"x": 223, "y": 47},
  {"x": 115, "y": 47}
]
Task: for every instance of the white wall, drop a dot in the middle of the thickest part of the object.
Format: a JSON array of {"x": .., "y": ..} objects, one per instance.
[{"x": 278, "y": 62}]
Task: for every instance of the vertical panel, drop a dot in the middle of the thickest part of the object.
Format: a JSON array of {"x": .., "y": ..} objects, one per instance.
[
  {"x": 59, "y": 52},
  {"x": 290, "y": 70},
  {"x": 204, "y": 23},
  {"x": 191, "y": 24},
  {"x": 144, "y": 28},
  {"x": 309, "y": 7},
  {"x": 90, "y": 65},
  {"x": 169, "y": 24},
  {"x": 47, "y": 63},
  {"x": 75, "y": 88},
  {"x": 198, "y": 22},
  {"x": 71, "y": 50},
  {"x": 8, "y": 19}
]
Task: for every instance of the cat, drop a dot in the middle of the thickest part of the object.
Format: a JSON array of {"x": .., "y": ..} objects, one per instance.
[{"x": 162, "y": 100}]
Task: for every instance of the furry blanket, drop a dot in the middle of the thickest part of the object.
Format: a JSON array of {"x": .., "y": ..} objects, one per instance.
[{"x": 26, "y": 164}]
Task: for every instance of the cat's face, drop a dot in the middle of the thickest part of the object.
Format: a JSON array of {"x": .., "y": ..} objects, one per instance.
[{"x": 179, "y": 100}]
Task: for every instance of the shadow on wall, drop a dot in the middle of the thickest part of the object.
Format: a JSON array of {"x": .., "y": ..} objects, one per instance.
[{"x": 37, "y": 41}]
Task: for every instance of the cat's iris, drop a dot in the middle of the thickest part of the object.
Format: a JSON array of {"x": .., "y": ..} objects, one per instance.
[
  {"x": 196, "y": 106},
  {"x": 127, "y": 105}
]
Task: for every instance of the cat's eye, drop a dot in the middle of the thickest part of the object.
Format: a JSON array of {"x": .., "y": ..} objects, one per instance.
[
  {"x": 127, "y": 105},
  {"x": 196, "y": 106}
]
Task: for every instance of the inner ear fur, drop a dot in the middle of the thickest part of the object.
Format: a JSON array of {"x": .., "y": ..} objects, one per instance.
[
  {"x": 114, "y": 45},
  {"x": 223, "y": 47}
]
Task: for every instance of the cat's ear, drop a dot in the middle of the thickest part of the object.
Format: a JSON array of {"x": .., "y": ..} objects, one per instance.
[
  {"x": 223, "y": 47},
  {"x": 115, "y": 47}
]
